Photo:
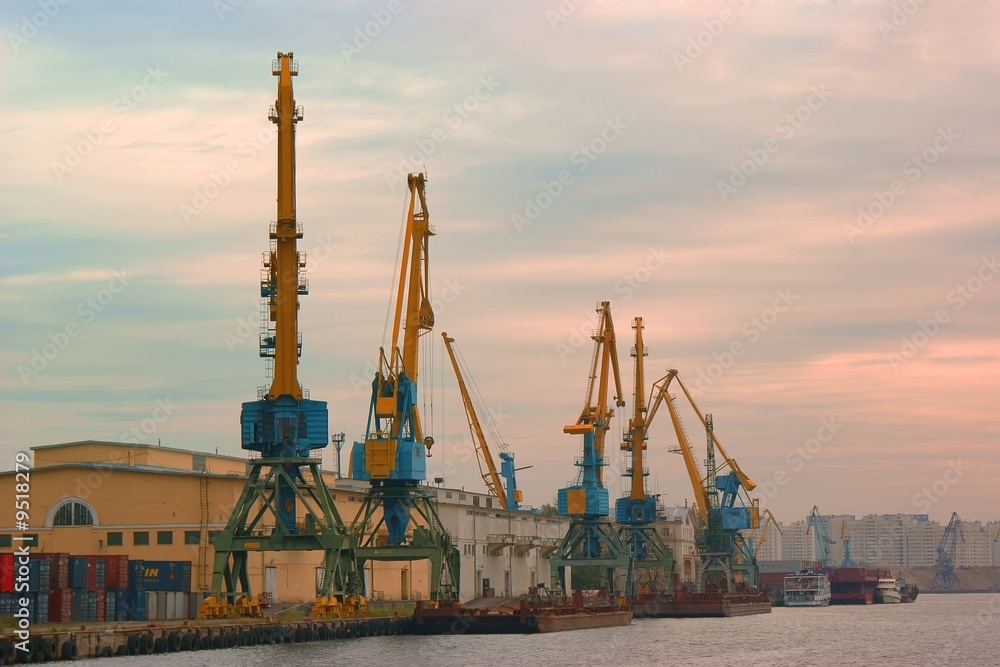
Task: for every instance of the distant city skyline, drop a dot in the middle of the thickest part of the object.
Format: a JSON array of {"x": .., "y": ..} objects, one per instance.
[{"x": 799, "y": 200}]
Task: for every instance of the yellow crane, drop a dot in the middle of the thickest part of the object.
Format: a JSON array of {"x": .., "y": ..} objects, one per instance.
[
  {"x": 510, "y": 497},
  {"x": 722, "y": 501}
]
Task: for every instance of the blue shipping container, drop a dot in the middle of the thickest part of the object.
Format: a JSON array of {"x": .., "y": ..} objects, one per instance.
[
  {"x": 166, "y": 575},
  {"x": 135, "y": 574},
  {"x": 77, "y": 572},
  {"x": 34, "y": 574},
  {"x": 101, "y": 569}
]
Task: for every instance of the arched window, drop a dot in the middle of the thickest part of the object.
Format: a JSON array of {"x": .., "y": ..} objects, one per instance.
[{"x": 72, "y": 513}]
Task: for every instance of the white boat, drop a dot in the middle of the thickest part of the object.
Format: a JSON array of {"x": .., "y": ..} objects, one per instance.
[
  {"x": 887, "y": 591},
  {"x": 807, "y": 589}
]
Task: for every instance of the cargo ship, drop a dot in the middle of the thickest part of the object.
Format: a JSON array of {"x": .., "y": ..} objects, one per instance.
[{"x": 528, "y": 616}]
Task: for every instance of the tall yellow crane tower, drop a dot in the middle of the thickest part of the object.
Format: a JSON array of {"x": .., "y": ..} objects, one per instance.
[{"x": 285, "y": 504}]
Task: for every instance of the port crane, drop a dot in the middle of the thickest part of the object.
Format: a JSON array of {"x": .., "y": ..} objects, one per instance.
[
  {"x": 592, "y": 539},
  {"x": 636, "y": 512},
  {"x": 283, "y": 427},
  {"x": 722, "y": 498},
  {"x": 766, "y": 520},
  {"x": 845, "y": 538},
  {"x": 947, "y": 554},
  {"x": 393, "y": 456},
  {"x": 508, "y": 495},
  {"x": 820, "y": 526}
]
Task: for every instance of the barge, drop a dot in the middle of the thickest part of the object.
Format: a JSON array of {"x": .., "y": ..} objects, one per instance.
[
  {"x": 528, "y": 616},
  {"x": 745, "y": 601}
]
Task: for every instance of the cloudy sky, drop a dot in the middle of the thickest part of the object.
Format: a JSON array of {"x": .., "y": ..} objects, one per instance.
[{"x": 800, "y": 199}]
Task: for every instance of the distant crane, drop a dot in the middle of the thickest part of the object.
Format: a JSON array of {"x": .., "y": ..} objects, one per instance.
[
  {"x": 947, "y": 554},
  {"x": 591, "y": 538},
  {"x": 722, "y": 498},
  {"x": 845, "y": 537},
  {"x": 393, "y": 457},
  {"x": 509, "y": 496},
  {"x": 283, "y": 424},
  {"x": 821, "y": 534}
]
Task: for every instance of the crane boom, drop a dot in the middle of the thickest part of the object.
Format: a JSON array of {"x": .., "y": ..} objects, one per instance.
[
  {"x": 487, "y": 468},
  {"x": 284, "y": 258},
  {"x": 597, "y": 418}
]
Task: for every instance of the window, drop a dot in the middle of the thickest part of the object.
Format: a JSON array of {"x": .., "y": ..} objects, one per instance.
[
  {"x": 447, "y": 494},
  {"x": 461, "y": 496},
  {"x": 475, "y": 501},
  {"x": 73, "y": 514},
  {"x": 5, "y": 542},
  {"x": 489, "y": 502},
  {"x": 192, "y": 537},
  {"x": 164, "y": 537},
  {"x": 198, "y": 463},
  {"x": 212, "y": 534},
  {"x": 30, "y": 540},
  {"x": 140, "y": 538},
  {"x": 114, "y": 539}
]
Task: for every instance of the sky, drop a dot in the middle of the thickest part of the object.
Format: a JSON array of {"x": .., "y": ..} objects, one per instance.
[{"x": 798, "y": 198}]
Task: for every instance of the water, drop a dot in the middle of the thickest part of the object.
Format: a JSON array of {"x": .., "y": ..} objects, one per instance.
[{"x": 959, "y": 629}]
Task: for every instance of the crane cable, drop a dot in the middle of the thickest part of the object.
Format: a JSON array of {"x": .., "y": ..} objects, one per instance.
[{"x": 392, "y": 282}]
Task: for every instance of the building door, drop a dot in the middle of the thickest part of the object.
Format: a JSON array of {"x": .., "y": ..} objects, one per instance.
[
  {"x": 271, "y": 583},
  {"x": 404, "y": 584}
]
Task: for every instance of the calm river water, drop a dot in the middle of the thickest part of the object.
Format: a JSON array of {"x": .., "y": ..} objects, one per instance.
[{"x": 961, "y": 629}]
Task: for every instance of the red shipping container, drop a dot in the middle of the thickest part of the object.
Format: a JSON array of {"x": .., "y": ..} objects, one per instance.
[
  {"x": 102, "y": 602},
  {"x": 92, "y": 572},
  {"x": 6, "y": 573},
  {"x": 60, "y": 571},
  {"x": 116, "y": 573},
  {"x": 61, "y": 604}
]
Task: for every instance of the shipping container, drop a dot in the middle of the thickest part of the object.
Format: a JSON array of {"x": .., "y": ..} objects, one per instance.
[
  {"x": 78, "y": 572},
  {"x": 111, "y": 606},
  {"x": 80, "y": 606},
  {"x": 6, "y": 573},
  {"x": 100, "y": 604},
  {"x": 116, "y": 572},
  {"x": 60, "y": 571},
  {"x": 163, "y": 575},
  {"x": 100, "y": 572},
  {"x": 135, "y": 574},
  {"x": 61, "y": 605},
  {"x": 130, "y": 605},
  {"x": 40, "y": 608},
  {"x": 34, "y": 573}
]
